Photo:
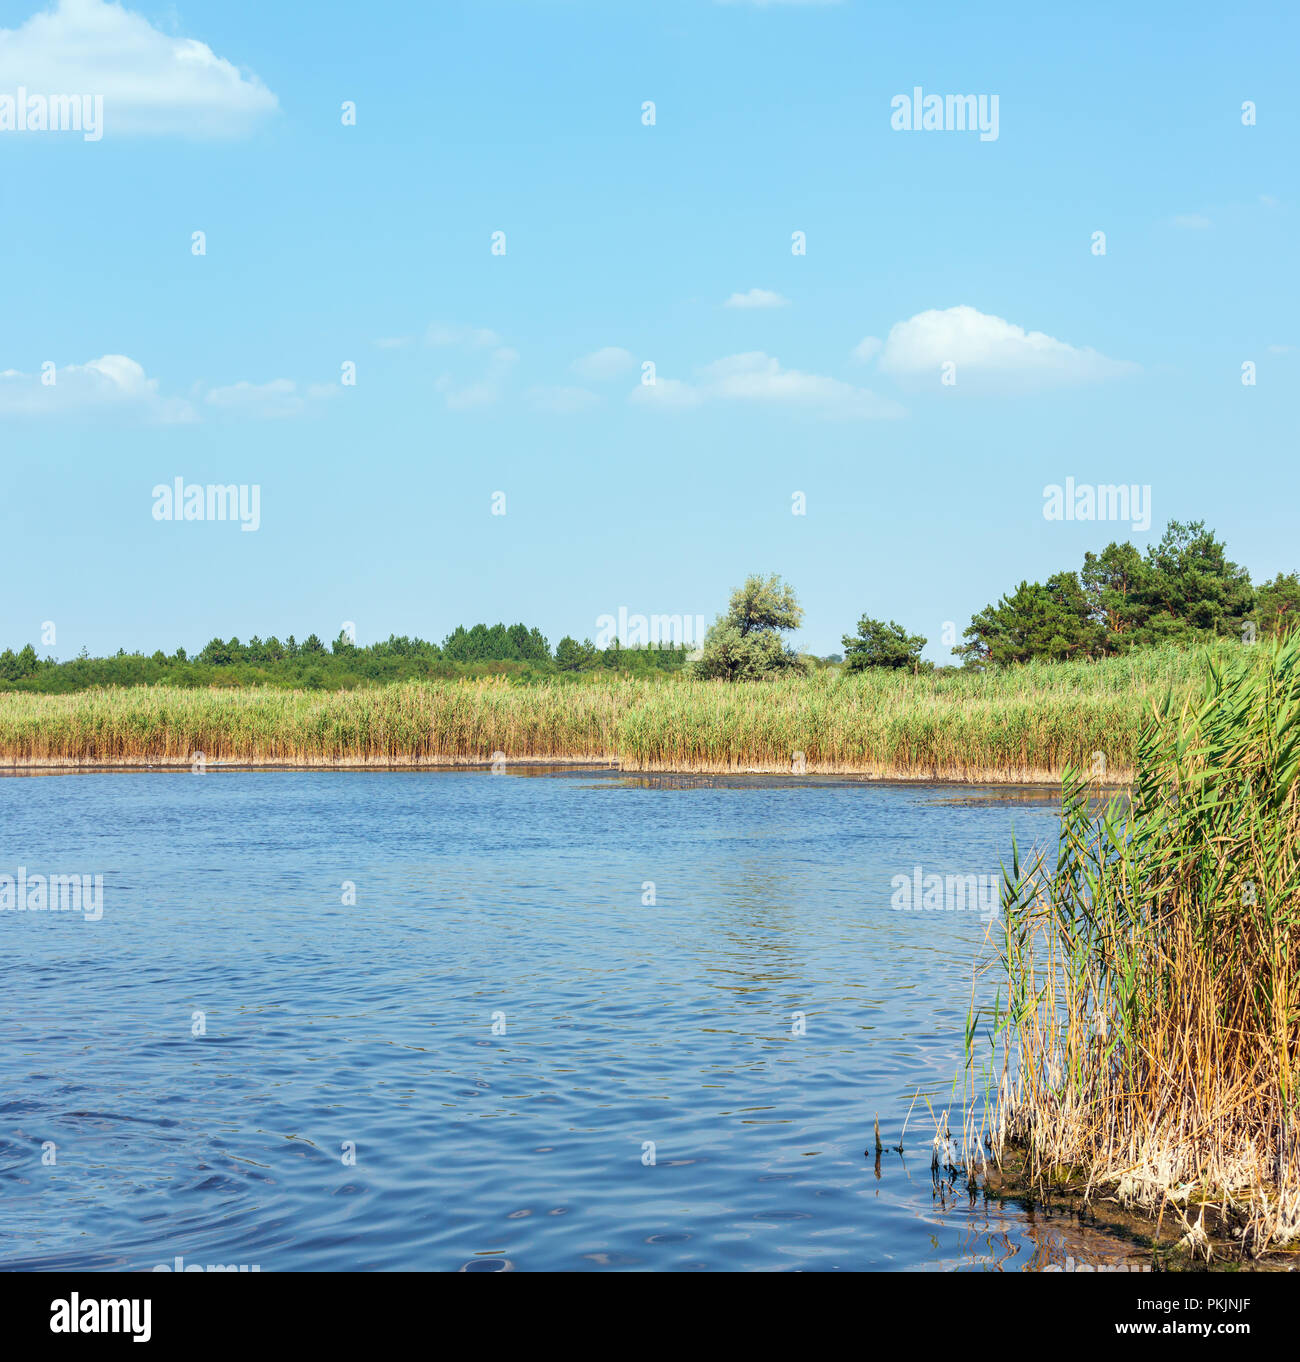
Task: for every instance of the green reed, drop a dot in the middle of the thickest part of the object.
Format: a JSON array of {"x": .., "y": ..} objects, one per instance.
[
  {"x": 1147, "y": 1041},
  {"x": 1023, "y": 723}
]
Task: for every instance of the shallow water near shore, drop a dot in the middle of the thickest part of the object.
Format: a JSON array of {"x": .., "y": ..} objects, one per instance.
[{"x": 572, "y": 1020}]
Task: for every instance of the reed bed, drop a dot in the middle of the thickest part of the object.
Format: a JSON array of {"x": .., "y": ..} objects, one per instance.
[
  {"x": 1147, "y": 1044},
  {"x": 434, "y": 723},
  {"x": 1027, "y": 723}
]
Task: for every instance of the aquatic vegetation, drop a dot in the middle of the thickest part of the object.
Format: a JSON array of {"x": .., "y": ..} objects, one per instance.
[
  {"x": 1145, "y": 1041},
  {"x": 1018, "y": 723}
]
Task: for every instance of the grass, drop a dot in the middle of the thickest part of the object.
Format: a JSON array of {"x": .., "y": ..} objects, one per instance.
[
  {"x": 1026, "y": 723},
  {"x": 1147, "y": 1044}
]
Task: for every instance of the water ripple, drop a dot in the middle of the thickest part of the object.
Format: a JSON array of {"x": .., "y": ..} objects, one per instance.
[{"x": 582, "y": 1024}]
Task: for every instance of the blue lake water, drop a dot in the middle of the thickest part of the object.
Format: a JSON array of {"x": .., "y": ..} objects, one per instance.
[{"x": 503, "y": 1054}]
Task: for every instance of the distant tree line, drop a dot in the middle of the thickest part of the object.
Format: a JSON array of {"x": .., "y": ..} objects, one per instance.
[
  {"x": 514, "y": 650},
  {"x": 1183, "y": 590}
]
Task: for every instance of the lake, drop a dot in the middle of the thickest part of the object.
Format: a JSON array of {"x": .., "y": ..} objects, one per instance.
[{"x": 461, "y": 1020}]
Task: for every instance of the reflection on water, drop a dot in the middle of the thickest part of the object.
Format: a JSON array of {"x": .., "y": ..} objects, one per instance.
[{"x": 469, "y": 1022}]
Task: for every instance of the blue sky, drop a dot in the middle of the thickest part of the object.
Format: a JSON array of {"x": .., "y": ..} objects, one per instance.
[{"x": 632, "y": 243}]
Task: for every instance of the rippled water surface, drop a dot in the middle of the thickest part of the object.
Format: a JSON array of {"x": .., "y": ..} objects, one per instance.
[{"x": 646, "y": 944}]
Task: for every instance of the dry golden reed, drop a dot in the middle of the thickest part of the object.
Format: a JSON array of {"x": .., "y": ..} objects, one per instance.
[
  {"x": 1147, "y": 1044},
  {"x": 1026, "y": 723}
]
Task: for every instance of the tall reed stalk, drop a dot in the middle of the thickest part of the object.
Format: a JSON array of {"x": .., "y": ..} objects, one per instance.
[{"x": 1147, "y": 1043}]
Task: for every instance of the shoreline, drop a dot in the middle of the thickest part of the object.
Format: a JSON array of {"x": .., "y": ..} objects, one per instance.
[
  {"x": 873, "y": 772},
  {"x": 1163, "y": 1236}
]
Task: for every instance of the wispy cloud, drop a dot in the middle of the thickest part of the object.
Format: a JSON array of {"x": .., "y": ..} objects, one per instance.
[
  {"x": 1192, "y": 222},
  {"x": 150, "y": 82},
  {"x": 488, "y": 385},
  {"x": 466, "y": 396},
  {"x": 462, "y": 337},
  {"x": 562, "y": 401},
  {"x": 276, "y": 400},
  {"x": 760, "y": 379},
  {"x": 757, "y": 297},
  {"x": 118, "y": 385},
  {"x": 601, "y": 365},
  {"x": 867, "y": 349}
]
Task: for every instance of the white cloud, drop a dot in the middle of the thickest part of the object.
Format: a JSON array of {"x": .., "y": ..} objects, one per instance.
[
  {"x": 670, "y": 394},
  {"x": 1192, "y": 222},
  {"x": 244, "y": 393},
  {"x": 272, "y": 401},
  {"x": 393, "y": 342},
  {"x": 600, "y": 365},
  {"x": 466, "y": 396},
  {"x": 758, "y": 378},
  {"x": 487, "y": 386},
  {"x": 117, "y": 383},
  {"x": 462, "y": 337},
  {"x": 149, "y": 82},
  {"x": 1280, "y": 349},
  {"x": 867, "y": 349},
  {"x": 989, "y": 347},
  {"x": 112, "y": 382},
  {"x": 757, "y": 297},
  {"x": 561, "y": 401}
]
